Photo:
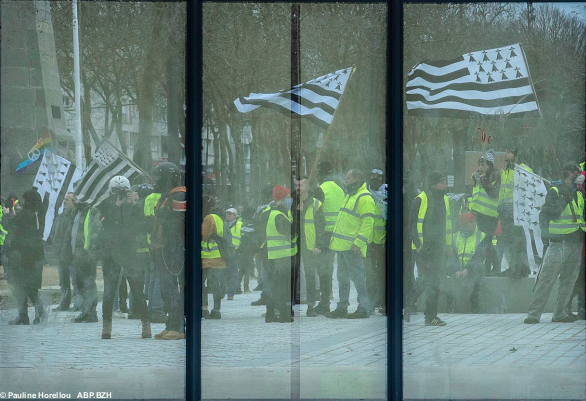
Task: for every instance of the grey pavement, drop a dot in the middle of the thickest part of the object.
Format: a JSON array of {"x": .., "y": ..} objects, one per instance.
[{"x": 474, "y": 356}]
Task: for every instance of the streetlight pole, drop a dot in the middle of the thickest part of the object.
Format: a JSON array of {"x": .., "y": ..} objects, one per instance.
[{"x": 76, "y": 72}]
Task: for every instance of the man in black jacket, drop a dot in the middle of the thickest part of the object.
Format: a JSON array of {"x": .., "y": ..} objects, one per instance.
[{"x": 562, "y": 225}]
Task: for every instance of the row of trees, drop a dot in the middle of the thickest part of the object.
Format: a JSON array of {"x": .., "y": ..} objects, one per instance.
[
  {"x": 555, "y": 46},
  {"x": 129, "y": 50}
]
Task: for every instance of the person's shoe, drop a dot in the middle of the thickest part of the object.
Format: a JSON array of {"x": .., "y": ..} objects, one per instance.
[
  {"x": 124, "y": 308},
  {"x": 566, "y": 319},
  {"x": 146, "y": 330},
  {"x": 311, "y": 312},
  {"x": 205, "y": 314},
  {"x": 337, "y": 314},
  {"x": 85, "y": 319},
  {"x": 230, "y": 297},
  {"x": 475, "y": 309},
  {"x": 285, "y": 317},
  {"x": 118, "y": 314},
  {"x": 215, "y": 314},
  {"x": 322, "y": 309},
  {"x": 238, "y": 291},
  {"x": 531, "y": 320},
  {"x": 247, "y": 291},
  {"x": 259, "y": 302},
  {"x": 258, "y": 288},
  {"x": 106, "y": 330},
  {"x": 358, "y": 314},
  {"x": 270, "y": 316},
  {"x": 436, "y": 321},
  {"x": 159, "y": 319},
  {"x": 173, "y": 335},
  {"x": 161, "y": 334},
  {"x": 39, "y": 319},
  {"x": 133, "y": 316},
  {"x": 21, "y": 320}
]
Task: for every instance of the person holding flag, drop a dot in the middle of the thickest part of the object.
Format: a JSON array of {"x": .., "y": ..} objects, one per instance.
[{"x": 562, "y": 225}]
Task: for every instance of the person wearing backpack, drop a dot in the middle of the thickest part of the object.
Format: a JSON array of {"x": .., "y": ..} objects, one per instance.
[{"x": 213, "y": 263}]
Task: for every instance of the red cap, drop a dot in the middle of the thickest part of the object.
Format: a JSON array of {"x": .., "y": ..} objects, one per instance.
[
  {"x": 467, "y": 218},
  {"x": 280, "y": 193}
]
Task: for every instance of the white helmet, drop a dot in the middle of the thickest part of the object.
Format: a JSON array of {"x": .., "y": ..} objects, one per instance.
[{"x": 119, "y": 182}]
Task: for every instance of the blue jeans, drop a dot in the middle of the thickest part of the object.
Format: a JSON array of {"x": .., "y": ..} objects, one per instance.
[
  {"x": 153, "y": 288},
  {"x": 171, "y": 276},
  {"x": 232, "y": 276},
  {"x": 351, "y": 267}
]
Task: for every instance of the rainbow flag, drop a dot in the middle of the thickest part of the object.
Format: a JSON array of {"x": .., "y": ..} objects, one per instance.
[{"x": 36, "y": 152}]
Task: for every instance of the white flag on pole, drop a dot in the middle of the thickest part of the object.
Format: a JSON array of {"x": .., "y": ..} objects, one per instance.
[{"x": 54, "y": 179}]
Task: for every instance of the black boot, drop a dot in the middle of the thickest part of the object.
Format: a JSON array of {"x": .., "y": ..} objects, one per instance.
[{"x": 20, "y": 320}]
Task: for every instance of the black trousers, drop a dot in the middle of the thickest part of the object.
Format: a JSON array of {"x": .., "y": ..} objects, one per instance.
[
  {"x": 112, "y": 265},
  {"x": 430, "y": 267},
  {"x": 85, "y": 269}
]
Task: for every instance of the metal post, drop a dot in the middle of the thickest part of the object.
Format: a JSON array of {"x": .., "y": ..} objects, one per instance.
[{"x": 76, "y": 71}]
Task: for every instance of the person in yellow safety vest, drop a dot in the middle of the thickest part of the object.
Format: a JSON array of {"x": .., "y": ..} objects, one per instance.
[
  {"x": 331, "y": 195},
  {"x": 484, "y": 204},
  {"x": 375, "y": 261},
  {"x": 562, "y": 225},
  {"x": 212, "y": 263},
  {"x": 352, "y": 233},
  {"x": 3, "y": 233},
  {"x": 430, "y": 228},
  {"x": 233, "y": 266},
  {"x": 469, "y": 250},
  {"x": 312, "y": 242},
  {"x": 281, "y": 246},
  {"x": 84, "y": 234},
  {"x": 512, "y": 242}
]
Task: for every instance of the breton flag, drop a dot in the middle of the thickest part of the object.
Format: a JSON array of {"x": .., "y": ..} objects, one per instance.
[
  {"x": 528, "y": 198},
  {"x": 489, "y": 82},
  {"x": 107, "y": 162},
  {"x": 54, "y": 179},
  {"x": 315, "y": 100}
]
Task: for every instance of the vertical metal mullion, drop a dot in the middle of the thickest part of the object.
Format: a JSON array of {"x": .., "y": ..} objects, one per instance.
[{"x": 193, "y": 181}]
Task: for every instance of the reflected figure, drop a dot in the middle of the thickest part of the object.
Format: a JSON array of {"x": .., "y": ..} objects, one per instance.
[
  {"x": 25, "y": 229},
  {"x": 430, "y": 228}
]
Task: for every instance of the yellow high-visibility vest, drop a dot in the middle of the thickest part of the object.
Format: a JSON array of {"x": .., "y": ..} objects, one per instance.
[
  {"x": 235, "y": 230},
  {"x": 278, "y": 246},
  {"x": 210, "y": 248},
  {"x": 507, "y": 182},
  {"x": 566, "y": 224},
  {"x": 482, "y": 203},
  {"x": 333, "y": 200},
  {"x": 3, "y": 232},
  {"x": 466, "y": 246},
  {"x": 309, "y": 222},
  {"x": 355, "y": 222},
  {"x": 421, "y": 218}
]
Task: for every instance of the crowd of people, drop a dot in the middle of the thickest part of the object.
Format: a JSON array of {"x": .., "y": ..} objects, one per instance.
[{"x": 292, "y": 240}]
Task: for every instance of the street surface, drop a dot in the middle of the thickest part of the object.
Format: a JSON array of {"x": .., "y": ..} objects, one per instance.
[{"x": 474, "y": 356}]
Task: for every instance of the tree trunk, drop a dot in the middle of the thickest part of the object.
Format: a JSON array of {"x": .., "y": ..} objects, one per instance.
[{"x": 119, "y": 133}]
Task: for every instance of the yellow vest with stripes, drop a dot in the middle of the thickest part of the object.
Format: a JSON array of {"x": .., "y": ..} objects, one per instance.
[
  {"x": 482, "y": 203},
  {"x": 566, "y": 224},
  {"x": 421, "y": 218},
  {"x": 309, "y": 222},
  {"x": 355, "y": 222},
  {"x": 210, "y": 248},
  {"x": 379, "y": 230},
  {"x": 3, "y": 232},
  {"x": 507, "y": 182},
  {"x": 333, "y": 200},
  {"x": 235, "y": 230},
  {"x": 466, "y": 247},
  {"x": 278, "y": 246}
]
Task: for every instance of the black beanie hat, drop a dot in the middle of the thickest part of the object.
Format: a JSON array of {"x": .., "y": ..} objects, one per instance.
[{"x": 434, "y": 177}]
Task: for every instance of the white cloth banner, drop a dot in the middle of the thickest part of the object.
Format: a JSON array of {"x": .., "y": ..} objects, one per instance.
[{"x": 54, "y": 179}]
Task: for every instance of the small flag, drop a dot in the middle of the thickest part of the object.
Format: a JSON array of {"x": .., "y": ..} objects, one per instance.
[
  {"x": 463, "y": 86},
  {"x": 107, "y": 162},
  {"x": 35, "y": 153},
  {"x": 315, "y": 100},
  {"x": 53, "y": 191},
  {"x": 528, "y": 197}
]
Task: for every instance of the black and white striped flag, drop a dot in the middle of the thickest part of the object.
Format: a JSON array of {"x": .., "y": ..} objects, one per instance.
[
  {"x": 107, "y": 162},
  {"x": 315, "y": 100},
  {"x": 54, "y": 179},
  {"x": 488, "y": 82}
]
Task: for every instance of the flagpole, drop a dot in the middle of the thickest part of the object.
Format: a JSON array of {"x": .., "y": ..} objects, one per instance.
[
  {"x": 319, "y": 153},
  {"x": 76, "y": 68},
  {"x": 530, "y": 79},
  {"x": 125, "y": 157}
]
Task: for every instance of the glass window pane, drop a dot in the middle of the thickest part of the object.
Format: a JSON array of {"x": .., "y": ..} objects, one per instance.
[
  {"x": 493, "y": 135},
  {"x": 92, "y": 99},
  {"x": 281, "y": 330}
]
